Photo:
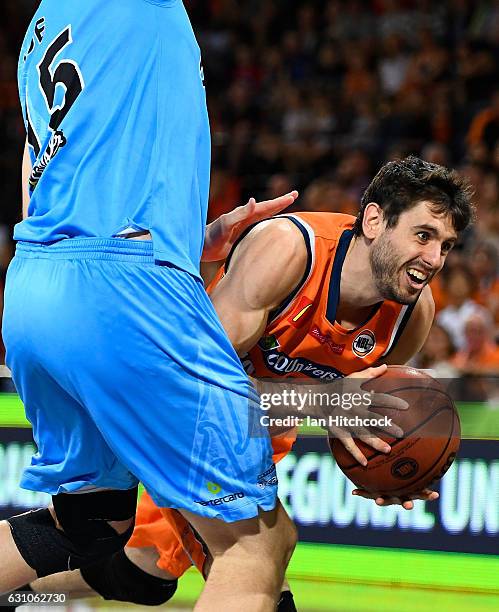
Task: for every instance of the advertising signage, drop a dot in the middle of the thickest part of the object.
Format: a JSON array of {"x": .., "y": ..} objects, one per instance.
[{"x": 318, "y": 497}]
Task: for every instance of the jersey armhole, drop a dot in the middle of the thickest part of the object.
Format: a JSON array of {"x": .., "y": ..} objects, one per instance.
[
  {"x": 309, "y": 238},
  {"x": 400, "y": 324}
]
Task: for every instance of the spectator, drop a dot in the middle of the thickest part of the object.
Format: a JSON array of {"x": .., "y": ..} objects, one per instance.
[
  {"x": 484, "y": 265},
  {"x": 479, "y": 353},
  {"x": 459, "y": 286},
  {"x": 437, "y": 353},
  {"x": 393, "y": 65}
]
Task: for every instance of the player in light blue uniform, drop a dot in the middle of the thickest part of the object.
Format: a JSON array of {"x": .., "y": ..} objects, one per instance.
[{"x": 124, "y": 369}]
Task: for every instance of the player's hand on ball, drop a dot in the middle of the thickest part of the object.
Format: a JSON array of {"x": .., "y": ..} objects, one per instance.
[
  {"x": 223, "y": 232},
  {"x": 346, "y": 435},
  {"x": 407, "y": 502}
]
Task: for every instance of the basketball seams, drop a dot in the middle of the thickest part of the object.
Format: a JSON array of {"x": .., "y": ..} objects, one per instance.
[
  {"x": 420, "y": 450},
  {"x": 409, "y": 433}
]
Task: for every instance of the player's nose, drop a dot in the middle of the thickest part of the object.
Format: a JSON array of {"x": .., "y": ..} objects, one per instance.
[{"x": 433, "y": 256}]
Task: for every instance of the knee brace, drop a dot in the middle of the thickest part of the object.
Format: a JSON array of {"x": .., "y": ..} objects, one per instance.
[
  {"x": 116, "y": 577},
  {"x": 85, "y": 535}
]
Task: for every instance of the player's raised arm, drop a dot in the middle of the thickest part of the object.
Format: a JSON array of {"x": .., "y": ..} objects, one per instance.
[{"x": 265, "y": 268}]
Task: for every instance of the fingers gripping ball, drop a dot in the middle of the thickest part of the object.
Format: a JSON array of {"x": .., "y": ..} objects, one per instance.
[{"x": 432, "y": 435}]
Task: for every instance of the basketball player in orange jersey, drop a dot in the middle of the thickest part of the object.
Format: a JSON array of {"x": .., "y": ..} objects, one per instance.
[{"x": 317, "y": 295}]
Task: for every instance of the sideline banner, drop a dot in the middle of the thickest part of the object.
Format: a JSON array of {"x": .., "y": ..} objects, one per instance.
[{"x": 318, "y": 497}]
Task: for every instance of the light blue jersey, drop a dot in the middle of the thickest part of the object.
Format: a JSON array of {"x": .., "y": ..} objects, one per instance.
[
  {"x": 109, "y": 88},
  {"x": 123, "y": 367}
]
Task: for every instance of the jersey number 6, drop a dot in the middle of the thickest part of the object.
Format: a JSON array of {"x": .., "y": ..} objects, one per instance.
[{"x": 67, "y": 74}]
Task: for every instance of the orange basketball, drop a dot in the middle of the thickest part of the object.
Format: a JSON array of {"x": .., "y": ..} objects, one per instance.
[{"x": 432, "y": 434}]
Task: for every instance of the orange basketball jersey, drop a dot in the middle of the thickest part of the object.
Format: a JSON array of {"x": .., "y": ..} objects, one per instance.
[{"x": 302, "y": 337}]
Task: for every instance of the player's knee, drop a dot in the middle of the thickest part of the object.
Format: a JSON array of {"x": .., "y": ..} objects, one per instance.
[
  {"x": 278, "y": 542},
  {"x": 90, "y": 526},
  {"x": 117, "y": 578},
  {"x": 289, "y": 538}
]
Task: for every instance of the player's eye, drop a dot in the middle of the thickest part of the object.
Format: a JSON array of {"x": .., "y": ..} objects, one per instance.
[
  {"x": 423, "y": 236},
  {"x": 446, "y": 247}
]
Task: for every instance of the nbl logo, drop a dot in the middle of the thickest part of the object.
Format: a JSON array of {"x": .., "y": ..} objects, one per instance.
[{"x": 364, "y": 343}]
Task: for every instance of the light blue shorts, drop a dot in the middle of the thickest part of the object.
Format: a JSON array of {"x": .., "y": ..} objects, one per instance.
[{"x": 126, "y": 374}]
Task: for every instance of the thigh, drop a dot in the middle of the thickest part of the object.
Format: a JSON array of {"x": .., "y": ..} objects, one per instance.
[
  {"x": 260, "y": 536},
  {"x": 170, "y": 534}
]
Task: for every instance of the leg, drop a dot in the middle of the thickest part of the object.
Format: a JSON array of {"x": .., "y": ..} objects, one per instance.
[
  {"x": 189, "y": 400},
  {"x": 136, "y": 574},
  {"x": 129, "y": 575},
  {"x": 81, "y": 529},
  {"x": 238, "y": 550},
  {"x": 15, "y": 570}
]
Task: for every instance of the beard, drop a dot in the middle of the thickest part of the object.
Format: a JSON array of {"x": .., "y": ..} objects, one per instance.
[{"x": 385, "y": 267}]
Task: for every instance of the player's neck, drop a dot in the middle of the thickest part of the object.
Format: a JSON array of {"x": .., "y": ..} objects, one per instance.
[{"x": 357, "y": 287}]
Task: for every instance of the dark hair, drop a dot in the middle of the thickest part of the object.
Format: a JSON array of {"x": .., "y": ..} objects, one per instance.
[{"x": 401, "y": 184}]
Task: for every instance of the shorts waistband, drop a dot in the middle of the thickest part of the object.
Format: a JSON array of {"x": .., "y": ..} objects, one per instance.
[{"x": 118, "y": 249}]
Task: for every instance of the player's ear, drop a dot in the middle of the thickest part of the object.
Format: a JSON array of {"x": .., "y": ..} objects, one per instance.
[{"x": 372, "y": 221}]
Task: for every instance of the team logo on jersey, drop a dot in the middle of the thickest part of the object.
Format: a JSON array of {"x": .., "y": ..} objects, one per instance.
[
  {"x": 226, "y": 499},
  {"x": 364, "y": 343},
  {"x": 267, "y": 478},
  {"x": 267, "y": 343},
  {"x": 213, "y": 487},
  {"x": 326, "y": 339},
  {"x": 281, "y": 364},
  {"x": 300, "y": 313}
]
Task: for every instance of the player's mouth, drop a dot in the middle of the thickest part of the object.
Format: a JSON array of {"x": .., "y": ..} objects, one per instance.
[{"x": 417, "y": 278}]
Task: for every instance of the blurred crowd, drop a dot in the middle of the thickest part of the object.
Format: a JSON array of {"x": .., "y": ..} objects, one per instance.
[{"x": 317, "y": 95}]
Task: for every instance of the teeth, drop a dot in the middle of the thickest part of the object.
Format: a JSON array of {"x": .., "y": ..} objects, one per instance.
[{"x": 419, "y": 275}]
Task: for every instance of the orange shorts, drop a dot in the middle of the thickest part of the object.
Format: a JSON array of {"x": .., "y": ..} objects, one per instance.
[{"x": 167, "y": 530}]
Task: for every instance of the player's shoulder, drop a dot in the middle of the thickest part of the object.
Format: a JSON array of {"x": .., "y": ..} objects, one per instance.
[
  {"x": 278, "y": 235},
  {"x": 327, "y": 225},
  {"x": 425, "y": 306},
  {"x": 266, "y": 265},
  {"x": 422, "y": 315},
  {"x": 416, "y": 331},
  {"x": 273, "y": 253}
]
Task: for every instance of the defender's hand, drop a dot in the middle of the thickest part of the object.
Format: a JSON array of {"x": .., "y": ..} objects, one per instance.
[
  {"x": 223, "y": 232},
  {"x": 346, "y": 435},
  {"x": 406, "y": 502}
]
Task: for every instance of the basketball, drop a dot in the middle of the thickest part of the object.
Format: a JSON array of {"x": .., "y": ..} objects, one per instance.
[{"x": 432, "y": 434}]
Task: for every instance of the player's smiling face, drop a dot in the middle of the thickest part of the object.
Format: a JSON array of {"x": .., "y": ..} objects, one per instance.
[{"x": 406, "y": 257}]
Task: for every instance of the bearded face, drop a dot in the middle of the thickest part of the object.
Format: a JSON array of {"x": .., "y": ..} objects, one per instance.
[
  {"x": 397, "y": 278},
  {"x": 404, "y": 258}
]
